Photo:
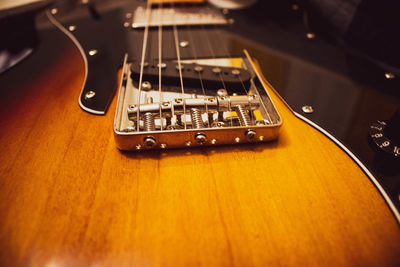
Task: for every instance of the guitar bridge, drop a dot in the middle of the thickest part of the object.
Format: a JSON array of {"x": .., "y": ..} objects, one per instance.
[{"x": 204, "y": 111}]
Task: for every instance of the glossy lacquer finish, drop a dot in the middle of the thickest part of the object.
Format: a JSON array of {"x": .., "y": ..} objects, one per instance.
[{"x": 68, "y": 197}]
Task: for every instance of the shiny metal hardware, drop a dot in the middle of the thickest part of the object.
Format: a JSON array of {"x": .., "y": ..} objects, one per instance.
[
  {"x": 184, "y": 44},
  {"x": 307, "y": 109},
  {"x": 72, "y": 28},
  {"x": 150, "y": 119},
  {"x": 93, "y": 52},
  {"x": 90, "y": 95},
  {"x": 389, "y": 75},
  {"x": 310, "y": 35},
  {"x": 180, "y": 16},
  {"x": 54, "y": 11}
]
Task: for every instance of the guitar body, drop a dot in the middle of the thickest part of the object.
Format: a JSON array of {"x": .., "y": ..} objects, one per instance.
[{"x": 69, "y": 197}]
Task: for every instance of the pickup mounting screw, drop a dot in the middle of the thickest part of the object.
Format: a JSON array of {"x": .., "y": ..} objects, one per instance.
[
  {"x": 198, "y": 69},
  {"x": 216, "y": 70},
  {"x": 236, "y": 72},
  {"x": 72, "y": 28},
  {"x": 54, "y": 11}
]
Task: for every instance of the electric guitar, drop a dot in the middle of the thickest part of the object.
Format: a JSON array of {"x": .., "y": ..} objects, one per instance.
[{"x": 199, "y": 153}]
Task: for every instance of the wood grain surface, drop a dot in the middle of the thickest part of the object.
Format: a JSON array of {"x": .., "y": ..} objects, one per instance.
[{"x": 68, "y": 197}]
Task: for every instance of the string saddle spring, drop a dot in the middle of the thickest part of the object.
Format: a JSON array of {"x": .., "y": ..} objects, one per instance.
[
  {"x": 149, "y": 124},
  {"x": 197, "y": 120},
  {"x": 243, "y": 115}
]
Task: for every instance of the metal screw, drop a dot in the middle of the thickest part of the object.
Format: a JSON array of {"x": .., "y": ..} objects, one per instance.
[
  {"x": 213, "y": 141},
  {"x": 93, "y": 52},
  {"x": 198, "y": 69},
  {"x": 138, "y": 147},
  {"x": 128, "y": 15},
  {"x": 126, "y": 24},
  {"x": 216, "y": 70},
  {"x": 389, "y": 75},
  {"x": 72, "y": 28},
  {"x": 184, "y": 44},
  {"x": 222, "y": 92},
  {"x": 146, "y": 85},
  {"x": 162, "y": 65},
  {"x": 251, "y": 134},
  {"x": 54, "y": 11},
  {"x": 236, "y": 72},
  {"x": 261, "y": 138},
  {"x": 237, "y": 139},
  {"x": 200, "y": 138},
  {"x": 163, "y": 146},
  {"x": 188, "y": 143},
  {"x": 307, "y": 109},
  {"x": 90, "y": 95},
  {"x": 310, "y": 35},
  {"x": 132, "y": 108},
  {"x": 149, "y": 141}
]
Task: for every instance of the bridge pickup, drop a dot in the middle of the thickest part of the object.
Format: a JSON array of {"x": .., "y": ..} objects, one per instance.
[
  {"x": 178, "y": 15},
  {"x": 193, "y": 75}
]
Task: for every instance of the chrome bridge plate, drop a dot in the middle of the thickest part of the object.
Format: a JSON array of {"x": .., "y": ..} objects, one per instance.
[
  {"x": 169, "y": 118},
  {"x": 180, "y": 16}
]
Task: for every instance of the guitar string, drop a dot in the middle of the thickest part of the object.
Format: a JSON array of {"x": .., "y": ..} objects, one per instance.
[
  {"x": 160, "y": 6},
  {"x": 178, "y": 55},
  {"x": 220, "y": 73},
  {"x": 193, "y": 47},
  {"x": 144, "y": 48}
]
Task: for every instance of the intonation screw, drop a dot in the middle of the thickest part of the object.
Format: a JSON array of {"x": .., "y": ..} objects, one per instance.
[
  {"x": 250, "y": 134},
  {"x": 149, "y": 141},
  {"x": 200, "y": 138}
]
